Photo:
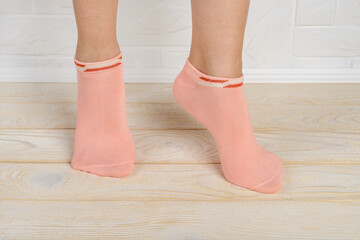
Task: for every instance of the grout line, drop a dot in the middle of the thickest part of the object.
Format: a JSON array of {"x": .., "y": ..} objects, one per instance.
[
  {"x": 190, "y": 163},
  {"x": 255, "y": 197}
]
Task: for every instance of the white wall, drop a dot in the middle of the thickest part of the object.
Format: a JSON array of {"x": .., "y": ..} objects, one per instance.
[{"x": 286, "y": 40}]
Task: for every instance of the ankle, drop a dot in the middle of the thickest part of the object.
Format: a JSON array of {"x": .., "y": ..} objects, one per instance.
[
  {"x": 88, "y": 53},
  {"x": 217, "y": 65}
]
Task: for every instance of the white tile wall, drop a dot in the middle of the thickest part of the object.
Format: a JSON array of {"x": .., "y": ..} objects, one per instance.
[
  {"x": 15, "y": 6},
  {"x": 316, "y": 12},
  {"x": 348, "y": 13},
  {"x": 325, "y": 42},
  {"x": 281, "y": 34},
  {"x": 268, "y": 38},
  {"x": 52, "y": 7}
]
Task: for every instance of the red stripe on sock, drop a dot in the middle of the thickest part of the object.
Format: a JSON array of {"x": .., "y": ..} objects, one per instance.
[
  {"x": 103, "y": 68},
  {"x": 80, "y": 65},
  {"x": 211, "y": 80},
  {"x": 83, "y": 65},
  {"x": 234, "y": 85}
]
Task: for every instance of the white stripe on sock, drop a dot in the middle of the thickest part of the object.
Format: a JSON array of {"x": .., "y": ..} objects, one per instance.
[
  {"x": 100, "y": 65},
  {"x": 220, "y": 85}
]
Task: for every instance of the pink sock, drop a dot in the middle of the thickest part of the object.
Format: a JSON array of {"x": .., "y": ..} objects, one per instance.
[
  {"x": 219, "y": 104},
  {"x": 103, "y": 142}
]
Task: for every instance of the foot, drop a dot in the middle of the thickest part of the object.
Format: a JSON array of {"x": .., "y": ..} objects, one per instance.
[
  {"x": 103, "y": 142},
  {"x": 219, "y": 104}
]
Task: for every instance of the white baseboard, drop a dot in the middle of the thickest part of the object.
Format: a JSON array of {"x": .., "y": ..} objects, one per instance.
[{"x": 163, "y": 75}]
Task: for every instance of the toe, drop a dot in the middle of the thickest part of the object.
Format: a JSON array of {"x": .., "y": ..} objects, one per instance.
[
  {"x": 117, "y": 171},
  {"x": 273, "y": 184}
]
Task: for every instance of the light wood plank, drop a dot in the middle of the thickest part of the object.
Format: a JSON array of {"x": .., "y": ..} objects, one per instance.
[
  {"x": 256, "y": 93},
  {"x": 314, "y": 128},
  {"x": 320, "y": 107},
  {"x": 182, "y": 146},
  {"x": 173, "y": 182},
  {"x": 263, "y": 93},
  {"x": 164, "y": 220},
  {"x": 171, "y": 116}
]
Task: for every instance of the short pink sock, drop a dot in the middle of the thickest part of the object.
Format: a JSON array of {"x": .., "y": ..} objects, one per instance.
[
  {"x": 219, "y": 104},
  {"x": 103, "y": 142}
]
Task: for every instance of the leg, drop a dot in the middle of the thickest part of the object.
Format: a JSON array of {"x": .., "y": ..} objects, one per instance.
[
  {"x": 210, "y": 88},
  {"x": 103, "y": 142},
  {"x": 96, "y": 25},
  {"x": 218, "y": 34}
]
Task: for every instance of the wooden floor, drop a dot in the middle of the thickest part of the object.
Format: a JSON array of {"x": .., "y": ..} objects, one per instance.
[{"x": 177, "y": 190}]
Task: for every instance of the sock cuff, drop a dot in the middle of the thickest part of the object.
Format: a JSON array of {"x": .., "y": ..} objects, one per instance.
[
  {"x": 98, "y": 66},
  {"x": 212, "y": 81}
]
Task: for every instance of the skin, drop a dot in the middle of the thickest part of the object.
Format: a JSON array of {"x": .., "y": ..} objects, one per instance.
[
  {"x": 96, "y": 25},
  {"x": 217, "y": 36}
]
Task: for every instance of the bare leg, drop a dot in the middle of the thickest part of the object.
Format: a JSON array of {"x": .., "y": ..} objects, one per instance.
[
  {"x": 96, "y": 24},
  {"x": 218, "y": 34}
]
